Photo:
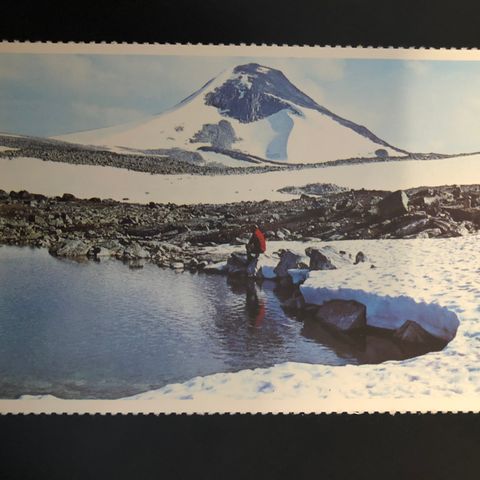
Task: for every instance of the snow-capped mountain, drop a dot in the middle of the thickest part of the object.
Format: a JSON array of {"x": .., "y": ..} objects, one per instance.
[{"x": 249, "y": 113}]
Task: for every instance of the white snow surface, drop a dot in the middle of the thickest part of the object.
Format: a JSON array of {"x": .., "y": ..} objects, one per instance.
[
  {"x": 441, "y": 272},
  {"x": 84, "y": 181}
]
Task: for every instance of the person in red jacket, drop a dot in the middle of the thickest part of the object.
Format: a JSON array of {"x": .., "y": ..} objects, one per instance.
[{"x": 255, "y": 246}]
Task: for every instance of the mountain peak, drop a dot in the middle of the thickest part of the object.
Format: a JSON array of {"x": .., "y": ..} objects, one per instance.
[
  {"x": 253, "y": 68},
  {"x": 253, "y": 92}
]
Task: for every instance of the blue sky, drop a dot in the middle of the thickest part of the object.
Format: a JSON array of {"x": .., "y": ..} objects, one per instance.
[{"x": 417, "y": 105}]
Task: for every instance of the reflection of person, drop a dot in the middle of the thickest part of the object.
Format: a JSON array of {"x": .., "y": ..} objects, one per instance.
[
  {"x": 255, "y": 306},
  {"x": 255, "y": 246}
]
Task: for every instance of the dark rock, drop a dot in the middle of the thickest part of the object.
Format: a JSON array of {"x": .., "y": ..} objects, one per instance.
[
  {"x": 3, "y": 195},
  {"x": 393, "y": 205},
  {"x": 71, "y": 248},
  {"x": 220, "y": 135},
  {"x": 381, "y": 153},
  {"x": 412, "y": 332},
  {"x": 318, "y": 261},
  {"x": 237, "y": 264},
  {"x": 21, "y": 195},
  {"x": 68, "y": 197},
  {"x": 412, "y": 228},
  {"x": 136, "y": 264},
  {"x": 360, "y": 257},
  {"x": 461, "y": 214},
  {"x": 345, "y": 315},
  {"x": 98, "y": 252},
  {"x": 288, "y": 260}
]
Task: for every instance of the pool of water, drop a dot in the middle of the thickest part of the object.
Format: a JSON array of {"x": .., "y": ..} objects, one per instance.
[{"x": 103, "y": 330}]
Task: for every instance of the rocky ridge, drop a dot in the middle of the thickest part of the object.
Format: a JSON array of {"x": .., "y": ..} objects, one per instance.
[{"x": 166, "y": 161}]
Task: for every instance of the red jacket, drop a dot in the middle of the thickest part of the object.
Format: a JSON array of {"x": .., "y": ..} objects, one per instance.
[{"x": 257, "y": 243}]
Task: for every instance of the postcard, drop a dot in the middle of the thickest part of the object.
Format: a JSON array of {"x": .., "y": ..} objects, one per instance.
[{"x": 202, "y": 229}]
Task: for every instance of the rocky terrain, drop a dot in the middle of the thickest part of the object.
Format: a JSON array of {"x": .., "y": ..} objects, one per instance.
[
  {"x": 163, "y": 161},
  {"x": 173, "y": 235}
]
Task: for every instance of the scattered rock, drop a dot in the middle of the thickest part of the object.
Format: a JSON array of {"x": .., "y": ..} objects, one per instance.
[
  {"x": 360, "y": 257},
  {"x": 345, "y": 315},
  {"x": 71, "y": 248},
  {"x": 393, "y": 205},
  {"x": 412, "y": 332},
  {"x": 237, "y": 264},
  {"x": 288, "y": 260},
  {"x": 135, "y": 251},
  {"x": 136, "y": 264},
  {"x": 68, "y": 197},
  {"x": 98, "y": 252},
  {"x": 413, "y": 227},
  {"x": 318, "y": 261}
]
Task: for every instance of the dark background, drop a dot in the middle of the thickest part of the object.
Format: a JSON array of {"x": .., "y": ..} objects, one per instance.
[{"x": 249, "y": 446}]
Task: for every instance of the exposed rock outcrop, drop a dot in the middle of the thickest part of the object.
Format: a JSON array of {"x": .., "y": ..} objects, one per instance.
[
  {"x": 288, "y": 260},
  {"x": 393, "y": 205},
  {"x": 71, "y": 248},
  {"x": 345, "y": 315},
  {"x": 412, "y": 332},
  {"x": 318, "y": 261}
]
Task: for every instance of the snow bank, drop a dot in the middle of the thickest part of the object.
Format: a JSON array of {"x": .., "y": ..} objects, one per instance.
[{"x": 376, "y": 289}]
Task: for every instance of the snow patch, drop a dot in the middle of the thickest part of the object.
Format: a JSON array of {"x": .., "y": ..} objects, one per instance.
[{"x": 85, "y": 181}]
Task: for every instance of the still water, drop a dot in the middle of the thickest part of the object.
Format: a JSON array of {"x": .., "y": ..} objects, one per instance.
[{"x": 103, "y": 330}]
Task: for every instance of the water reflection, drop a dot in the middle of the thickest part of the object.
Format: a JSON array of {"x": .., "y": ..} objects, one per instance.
[
  {"x": 370, "y": 347},
  {"x": 105, "y": 330},
  {"x": 255, "y": 306}
]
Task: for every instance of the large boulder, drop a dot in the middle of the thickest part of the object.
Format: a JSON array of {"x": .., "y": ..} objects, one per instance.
[
  {"x": 237, "y": 264},
  {"x": 345, "y": 315},
  {"x": 412, "y": 332},
  {"x": 71, "y": 248},
  {"x": 288, "y": 260},
  {"x": 393, "y": 205},
  {"x": 318, "y": 260}
]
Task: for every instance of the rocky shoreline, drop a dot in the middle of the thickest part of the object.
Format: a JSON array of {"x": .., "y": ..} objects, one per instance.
[{"x": 171, "y": 235}]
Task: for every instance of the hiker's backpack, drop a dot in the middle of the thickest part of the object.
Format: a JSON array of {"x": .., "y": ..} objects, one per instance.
[{"x": 262, "y": 244}]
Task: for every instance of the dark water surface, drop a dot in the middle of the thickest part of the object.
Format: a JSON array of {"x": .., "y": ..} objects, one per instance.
[{"x": 103, "y": 330}]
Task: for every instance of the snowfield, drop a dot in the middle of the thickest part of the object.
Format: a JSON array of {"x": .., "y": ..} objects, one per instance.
[
  {"x": 85, "y": 181},
  {"x": 441, "y": 272}
]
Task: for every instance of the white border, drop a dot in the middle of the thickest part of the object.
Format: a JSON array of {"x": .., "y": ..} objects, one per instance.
[
  {"x": 283, "y": 51},
  {"x": 430, "y": 404}
]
